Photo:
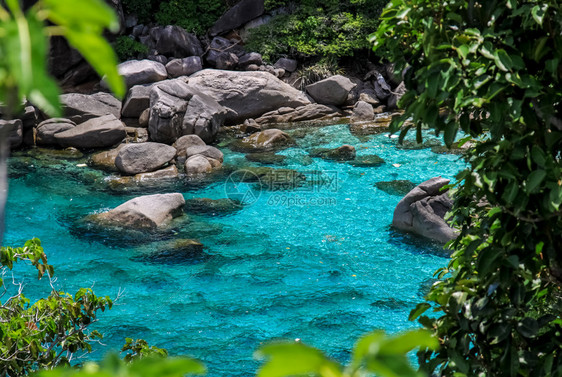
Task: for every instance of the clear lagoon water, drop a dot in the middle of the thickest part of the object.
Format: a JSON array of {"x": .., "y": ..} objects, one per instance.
[{"x": 322, "y": 265}]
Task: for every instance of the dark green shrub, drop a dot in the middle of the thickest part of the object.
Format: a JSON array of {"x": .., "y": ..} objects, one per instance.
[
  {"x": 144, "y": 9},
  {"x": 194, "y": 16},
  {"x": 127, "y": 48},
  {"x": 316, "y": 29}
]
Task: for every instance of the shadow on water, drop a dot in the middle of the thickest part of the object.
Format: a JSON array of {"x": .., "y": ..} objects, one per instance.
[{"x": 415, "y": 244}]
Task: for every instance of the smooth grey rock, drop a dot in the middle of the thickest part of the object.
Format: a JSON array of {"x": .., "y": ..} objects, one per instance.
[
  {"x": 143, "y": 157},
  {"x": 249, "y": 59},
  {"x": 289, "y": 65},
  {"x": 158, "y": 58},
  {"x": 138, "y": 72},
  {"x": 185, "y": 142},
  {"x": 423, "y": 209},
  {"x": 369, "y": 96},
  {"x": 197, "y": 165},
  {"x": 99, "y": 132},
  {"x": 302, "y": 113},
  {"x": 206, "y": 151},
  {"x": 183, "y": 67},
  {"x": 238, "y": 15},
  {"x": 144, "y": 212},
  {"x": 331, "y": 91},
  {"x": 174, "y": 41},
  {"x": 137, "y": 100},
  {"x": 382, "y": 89},
  {"x": 82, "y": 107},
  {"x": 178, "y": 109},
  {"x": 248, "y": 94},
  {"x": 47, "y": 129},
  {"x": 362, "y": 111}
]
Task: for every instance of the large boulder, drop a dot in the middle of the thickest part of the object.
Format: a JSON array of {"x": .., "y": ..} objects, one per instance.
[
  {"x": 248, "y": 94},
  {"x": 138, "y": 72},
  {"x": 143, "y": 157},
  {"x": 174, "y": 41},
  {"x": 144, "y": 212},
  {"x": 178, "y": 109},
  {"x": 423, "y": 209},
  {"x": 238, "y": 15},
  {"x": 137, "y": 100},
  {"x": 331, "y": 91},
  {"x": 101, "y": 132},
  {"x": 82, "y": 107},
  {"x": 47, "y": 129},
  {"x": 184, "y": 67}
]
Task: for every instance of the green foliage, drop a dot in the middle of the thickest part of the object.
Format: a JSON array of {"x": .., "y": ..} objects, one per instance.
[
  {"x": 145, "y": 367},
  {"x": 316, "y": 29},
  {"x": 23, "y": 46},
  {"x": 127, "y": 48},
  {"x": 375, "y": 353},
  {"x": 140, "y": 349},
  {"x": 194, "y": 16},
  {"x": 48, "y": 332},
  {"x": 494, "y": 68}
]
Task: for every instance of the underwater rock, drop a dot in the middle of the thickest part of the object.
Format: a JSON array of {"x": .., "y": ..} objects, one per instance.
[
  {"x": 176, "y": 251},
  {"x": 369, "y": 128},
  {"x": 144, "y": 212},
  {"x": 423, "y": 209},
  {"x": 397, "y": 187},
  {"x": 212, "y": 207},
  {"x": 369, "y": 161},
  {"x": 267, "y": 158},
  {"x": 343, "y": 153}
]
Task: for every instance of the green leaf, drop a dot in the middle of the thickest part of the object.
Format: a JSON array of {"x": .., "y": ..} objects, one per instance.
[
  {"x": 502, "y": 59},
  {"x": 418, "y": 310},
  {"x": 534, "y": 180},
  {"x": 404, "y": 343},
  {"x": 295, "y": 359},
  {"x": 538, "y": 13},
  {"x": 450, "y": 133},
  {"x": 528, "y": 327}
]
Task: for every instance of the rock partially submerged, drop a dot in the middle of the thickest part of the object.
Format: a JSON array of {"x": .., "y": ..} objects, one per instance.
[
  {"x": 343, "y": 153},
  {"x": 144, "y": 212},
  {"x": 423, "y": 209},
  {"x": 143, "y": 157},
  {"x": 267, "y": 140}
]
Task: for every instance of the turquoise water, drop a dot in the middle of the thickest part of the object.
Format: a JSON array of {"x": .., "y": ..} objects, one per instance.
[{"x": 320, "y": 264}]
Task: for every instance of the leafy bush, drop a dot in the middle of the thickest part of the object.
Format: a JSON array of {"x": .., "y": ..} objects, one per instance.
[
  {"x": 319, "y": 71},
  {"x": 494, "y": 67},
  {"x": 127, "y": 48},
  {"x": 316, "y": 29},
  {"x": 51, "y": 330},
  {"x": 195, "y": 16}
]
